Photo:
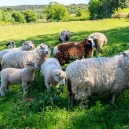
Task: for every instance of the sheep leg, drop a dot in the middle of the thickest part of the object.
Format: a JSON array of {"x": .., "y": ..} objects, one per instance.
[
  {"x": 113, "y": 99},
  {"x": 2, "y": 90},
  {"x": 97, "y": 52},
  {"x": 25, "y": 87},
  {"x": 71, "y": 98},
  {"x": 7, "y": 89},
  {"x": 47, "y": 86}
]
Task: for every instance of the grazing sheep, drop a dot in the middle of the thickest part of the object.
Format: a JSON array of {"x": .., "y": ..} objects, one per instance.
[
  {"x": 20, "y": 59},
  {"x": 26, "y": 46},
  {"x": 99, "y": 39},
  {"x": 64, "y": 36},
  {"x": 10, "y": 44},
  {"x": 52, "y": 73},
  {"x": 18, "y": 76},
  {"x": 65, "y": 52},
  {"x": 95, "y": 76}
]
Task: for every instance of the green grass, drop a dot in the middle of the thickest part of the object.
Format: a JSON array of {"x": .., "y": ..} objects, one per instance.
[{"x": 50, "y": 110}]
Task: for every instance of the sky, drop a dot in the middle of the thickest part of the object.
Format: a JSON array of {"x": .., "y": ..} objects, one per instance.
[{"x": 39, "y": 2}]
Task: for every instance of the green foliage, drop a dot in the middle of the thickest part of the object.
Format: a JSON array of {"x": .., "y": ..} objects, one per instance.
[
  {"x": 79, "y": 13},
  {"x": 30, "y": 16},
  {"x": 4, "y": 16},
  {"x": 105, "y": 8},
  {"x": 55, "y": 11},
  {"x": 18, "y": 17}
]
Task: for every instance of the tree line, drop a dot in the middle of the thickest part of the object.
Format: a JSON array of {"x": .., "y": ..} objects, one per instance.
[{"x": 57, "y": 12}]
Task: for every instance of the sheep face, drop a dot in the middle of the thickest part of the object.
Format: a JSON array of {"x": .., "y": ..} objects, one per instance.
[
  {"x": 60, "y": 77},
  {"x": 28, "y": 45},
  {"x": 11, "y": 44},
  {"x": 33, "y": 64},
  {"x": 91, "y": 42},
  {"x": 44, "y": 49},
  {"x": 125, "y": 62}
]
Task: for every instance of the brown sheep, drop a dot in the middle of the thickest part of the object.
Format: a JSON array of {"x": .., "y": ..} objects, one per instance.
[{"x": 65, "y": 52}]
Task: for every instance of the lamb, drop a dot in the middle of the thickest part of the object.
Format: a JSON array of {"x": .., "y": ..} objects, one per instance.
[
  {"x": 10, "y": 44},
  {"x": 99, "y": 39},
  {"x": 18, "y": 76},
  {"x": 53, "y": 75},
  {"x": 20, "y": 59},
  {"x": 64, "y": 36},
  {"x": 96, "y": 76},
  {"x": 26, "y": 46},
  {"x": 65, "y": 52}
]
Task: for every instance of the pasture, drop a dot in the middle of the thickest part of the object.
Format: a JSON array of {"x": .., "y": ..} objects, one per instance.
[{"x": 50, "y": 110}]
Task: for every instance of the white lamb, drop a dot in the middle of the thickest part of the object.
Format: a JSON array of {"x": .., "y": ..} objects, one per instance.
[
  {"x": 18, "y": 76},
  {"x": 96, "y": 76},
  {"x": 53, "y": 75},
  {"x": 99, "y": 39},
  {"x": 20, "y": 59}
]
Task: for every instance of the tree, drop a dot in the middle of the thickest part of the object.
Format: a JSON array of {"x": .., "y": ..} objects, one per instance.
[
  {"x": 30, "y": 16},
  {"x": 4, "y": 16},
  {"x": 55, "y": 11},
  {"x": 79, "y": 13},
  {"x": 18, "y": 16},
  {"x": 105, "y": 8}
]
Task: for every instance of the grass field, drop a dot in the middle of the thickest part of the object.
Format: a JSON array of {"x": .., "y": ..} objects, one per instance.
[{"x": 50, "y": 110}]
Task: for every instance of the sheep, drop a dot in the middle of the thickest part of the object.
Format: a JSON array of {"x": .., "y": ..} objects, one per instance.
[
  {"x": 10, "y": 44},
  {"x": 52, "y": 73},
  {"x": 99, "y": 39},
  {"x": 18, "y": 76},
  {"x": 65, "y": 52},
  {"x": 26, "y": 46},
  {"x": 95, "y": 76},
  {"x": 20, "y": 59},
  {"x": 64, "y": 36}
]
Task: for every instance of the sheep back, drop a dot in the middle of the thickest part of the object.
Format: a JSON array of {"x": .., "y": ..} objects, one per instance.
[
  {"x": 96, "y": 76},
  {"x": 20, "y": 59},
  {"x": 50, "y": 68},
  {"x": 65, "y": 52},
  {"x": 99, "y": 38}
]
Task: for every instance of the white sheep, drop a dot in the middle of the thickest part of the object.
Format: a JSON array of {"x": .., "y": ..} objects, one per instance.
[
  {"x": 53, "y": 75},
  {"x": 99, "y": 39},
  {"x": 18, "y": 76},
  {"x": 64, "y": 36},
  {"x": 26, "y": 46},
  {"x": 96, "y": 76},
  {"x": 20, "y": 59}
]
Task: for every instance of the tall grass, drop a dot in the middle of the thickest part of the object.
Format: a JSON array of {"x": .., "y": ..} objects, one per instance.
[{"x": 41, "y": 109}]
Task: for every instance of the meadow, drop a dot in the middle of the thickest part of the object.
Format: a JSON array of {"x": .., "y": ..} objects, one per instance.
[{"x": 50, "y": 110}]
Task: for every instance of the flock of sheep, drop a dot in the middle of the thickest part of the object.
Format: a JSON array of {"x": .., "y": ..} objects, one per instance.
[{"x": 84, "y": 77}]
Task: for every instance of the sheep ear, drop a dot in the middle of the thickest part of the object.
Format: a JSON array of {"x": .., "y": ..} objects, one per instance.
[
  {"x": 48, "y": 46},
  {"x": 124, "y": 54},
  {"x": 24, "y": 43},
  {"x": 29, "y": 63},
  {"x": 57, "y": 74},
  {"x": 41, "y": 46}
]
